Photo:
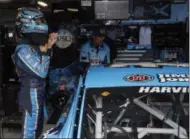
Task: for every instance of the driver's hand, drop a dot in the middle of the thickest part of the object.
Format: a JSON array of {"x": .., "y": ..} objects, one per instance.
[
  {"x": 52, "y": 39},
  {"x": 62, "y": 88}
]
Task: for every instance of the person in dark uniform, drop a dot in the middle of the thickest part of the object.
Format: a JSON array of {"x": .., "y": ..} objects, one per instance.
[{"x": 32, "y": 58}]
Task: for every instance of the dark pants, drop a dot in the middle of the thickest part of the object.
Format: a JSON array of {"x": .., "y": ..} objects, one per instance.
[{"x": 32, "y": 125}]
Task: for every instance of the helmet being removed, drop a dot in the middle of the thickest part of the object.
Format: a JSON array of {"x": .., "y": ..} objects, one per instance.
[{"x": 30, "y": 20}]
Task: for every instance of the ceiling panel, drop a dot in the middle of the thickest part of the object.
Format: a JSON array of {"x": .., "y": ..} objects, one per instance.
[
  {"x": 8, "y": 10},
  {"x": 15, "y": 4}
]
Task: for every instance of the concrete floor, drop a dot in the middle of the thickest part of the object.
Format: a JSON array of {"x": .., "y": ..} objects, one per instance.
[
  {"x": 11, "y": 133},
  {"x": 15, "y": 133}
]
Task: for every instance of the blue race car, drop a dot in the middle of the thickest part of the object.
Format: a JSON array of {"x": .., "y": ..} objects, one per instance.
[{"x": 131, "y": 100}]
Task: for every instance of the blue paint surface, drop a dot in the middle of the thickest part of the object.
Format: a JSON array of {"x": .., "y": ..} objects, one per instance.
[
  {"x": 68, "y": 121},
  {"x": 98, "y": 77}
]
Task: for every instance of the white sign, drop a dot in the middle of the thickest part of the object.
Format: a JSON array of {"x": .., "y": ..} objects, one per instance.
[
  {"x": 164, "y": 90},
  {"x": 86, "y": 3},
  {"x": 65, "y": 39},
  {"x": 171, "y": 56},
  {"x": 173, "y": 78}
]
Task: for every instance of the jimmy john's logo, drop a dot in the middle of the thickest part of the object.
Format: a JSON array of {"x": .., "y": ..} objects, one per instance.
[
  {"x": 138, "y": 78},
  {"x": 173, "y": 78},
  {"x": 65, "y": 39},
  {"x": 164, "y": 90}
]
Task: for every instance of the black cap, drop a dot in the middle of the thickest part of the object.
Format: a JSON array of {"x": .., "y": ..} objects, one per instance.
[{"x": 99, "y": 31}]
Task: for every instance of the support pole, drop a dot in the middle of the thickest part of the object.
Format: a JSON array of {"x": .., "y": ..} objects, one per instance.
[
  {"x": 161, "y": 116},
  {"x": 98, "y": 130},
  {"x": 144, "y": 131}
]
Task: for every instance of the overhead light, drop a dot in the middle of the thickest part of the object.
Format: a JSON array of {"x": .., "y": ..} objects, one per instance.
[
  {"x": 4, "y": 1},
  {"x": 42, "y": 3},
  {"x": 72, "y": 10},
  {"x": 58, "y": 11},
  {"x": 32, "y": 1},
  {"x": 10, "y": 34}
]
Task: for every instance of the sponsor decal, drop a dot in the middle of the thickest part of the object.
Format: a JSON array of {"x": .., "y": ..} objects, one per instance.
[
  {"x": 95, "y": 62},
  {"x": 65, "y": 39},
  {"x": 105, "y": 94},
  {"x": 40, "y": 28},
  {"x": 171, "y": 56},
  {"x": 173, "y": 78},
  {"x": 138, "y": 78},
  {"x": 164, "y": 90}
]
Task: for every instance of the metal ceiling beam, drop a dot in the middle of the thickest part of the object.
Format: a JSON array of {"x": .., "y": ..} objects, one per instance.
[
  {"x": 16, "y": 4},
  {"x": 32, "y": 2},
  {"x": 66, "y": 4}
]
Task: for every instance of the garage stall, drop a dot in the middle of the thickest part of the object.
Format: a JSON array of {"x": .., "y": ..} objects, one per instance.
[{"x": 114, "y": 69}]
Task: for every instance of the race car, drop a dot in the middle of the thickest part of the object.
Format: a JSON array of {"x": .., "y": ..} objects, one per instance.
[{"x": 127, "y": 100}]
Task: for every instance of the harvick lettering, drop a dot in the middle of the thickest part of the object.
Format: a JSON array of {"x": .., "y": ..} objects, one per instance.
[
  {"x": 173, "y": 77},
  {"x": 164, "y": 90}
]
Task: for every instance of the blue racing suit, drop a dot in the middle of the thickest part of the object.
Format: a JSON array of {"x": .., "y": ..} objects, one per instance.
[
  {"x": 32, "y": 68},
  {"x": 95, "y": 55}
]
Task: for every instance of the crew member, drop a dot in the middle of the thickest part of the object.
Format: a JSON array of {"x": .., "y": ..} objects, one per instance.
[
  {"x": 95, "y": 51},
  {"x": 32, "y": 58}
]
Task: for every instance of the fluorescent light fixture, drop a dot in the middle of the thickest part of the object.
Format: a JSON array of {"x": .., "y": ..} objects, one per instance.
[
  {"x": 10, "y": 34},
  {"x": 5, "y": 1},
  {"x": 72, "y": 10},
  {"x": 42, "y": 3},
  {"x": 58, "y": 11}
]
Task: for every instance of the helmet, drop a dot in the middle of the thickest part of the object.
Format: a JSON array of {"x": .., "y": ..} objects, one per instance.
[{"x": 30, "y": 20}]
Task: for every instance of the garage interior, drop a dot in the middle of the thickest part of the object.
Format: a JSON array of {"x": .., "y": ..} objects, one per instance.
[{"x": 169, "y": 26}]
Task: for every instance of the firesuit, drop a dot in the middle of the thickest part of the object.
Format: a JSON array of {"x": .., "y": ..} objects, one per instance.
[
  {"x": 95, "y": 56},
  {"x": 32, "y": 68}
]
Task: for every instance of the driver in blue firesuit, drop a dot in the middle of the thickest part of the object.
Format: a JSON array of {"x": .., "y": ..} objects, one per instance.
[{"x": 31, "y": 57}]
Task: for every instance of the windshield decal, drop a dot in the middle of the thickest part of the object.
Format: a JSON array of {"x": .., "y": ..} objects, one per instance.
[
  {"x": 173, "y": 78},
  {"x": 138, "y": 78}
]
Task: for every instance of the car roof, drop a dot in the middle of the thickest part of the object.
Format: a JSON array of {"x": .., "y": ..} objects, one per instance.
[{"x": 100, "y": 76}]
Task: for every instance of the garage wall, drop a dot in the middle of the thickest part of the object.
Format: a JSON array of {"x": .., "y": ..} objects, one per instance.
[
  {"x": 7, "y": 17},
  {"x": 179, "y": 13}
]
